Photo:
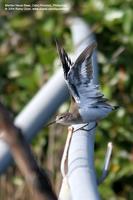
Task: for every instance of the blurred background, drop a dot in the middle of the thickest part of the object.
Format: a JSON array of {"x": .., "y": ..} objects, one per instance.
[{"x": 28, "y": 59}]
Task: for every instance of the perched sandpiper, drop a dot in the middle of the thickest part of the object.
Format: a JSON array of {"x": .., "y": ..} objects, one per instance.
[{"x": 89, "y": 103}]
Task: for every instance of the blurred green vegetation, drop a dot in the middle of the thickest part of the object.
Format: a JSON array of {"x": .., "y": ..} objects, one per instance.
[{"x": 27, "y": 56}]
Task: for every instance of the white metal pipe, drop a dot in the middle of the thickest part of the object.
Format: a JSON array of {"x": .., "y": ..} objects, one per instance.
[
  {"x": 37, "y": 112},
  {"x": 43, "y": 105},
  {"x": 81, "y": 171}
]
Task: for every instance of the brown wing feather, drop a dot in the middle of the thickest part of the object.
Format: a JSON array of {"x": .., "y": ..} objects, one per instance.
[{"x": 73, "y": 106}]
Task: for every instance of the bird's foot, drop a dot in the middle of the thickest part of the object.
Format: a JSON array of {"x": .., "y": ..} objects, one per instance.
[{"x": 84, "y": 129}]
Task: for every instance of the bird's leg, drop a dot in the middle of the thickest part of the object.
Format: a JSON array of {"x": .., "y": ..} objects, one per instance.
[{"x": 83, "y": 128}]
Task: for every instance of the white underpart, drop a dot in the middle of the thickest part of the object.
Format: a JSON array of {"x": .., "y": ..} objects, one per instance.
[{"x": 89, "y": 106}]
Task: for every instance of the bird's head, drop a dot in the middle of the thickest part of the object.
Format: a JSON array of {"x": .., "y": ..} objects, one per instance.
[
  {"x": 69, "y": 118},
  {"x": 64, "y": 118}
]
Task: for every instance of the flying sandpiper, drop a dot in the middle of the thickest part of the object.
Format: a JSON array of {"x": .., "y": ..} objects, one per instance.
[{"x": 89, "y": 103}]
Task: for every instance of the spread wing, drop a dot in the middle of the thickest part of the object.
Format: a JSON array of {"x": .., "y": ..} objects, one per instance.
[
  {"x": 79, "y": 77},
  {"x": 67, "y": 65},
  {"x": 82, "y": 70}
]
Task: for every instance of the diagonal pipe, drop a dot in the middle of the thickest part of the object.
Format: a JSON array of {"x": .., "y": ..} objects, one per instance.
[{"x": 37, "y": 113}]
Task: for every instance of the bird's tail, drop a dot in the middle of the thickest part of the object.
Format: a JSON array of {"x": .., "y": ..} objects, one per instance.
[{"x": 116, "y": 107}]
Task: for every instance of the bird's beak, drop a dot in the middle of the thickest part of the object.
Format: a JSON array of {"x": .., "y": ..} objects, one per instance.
[{"x": 53, "y": 122}]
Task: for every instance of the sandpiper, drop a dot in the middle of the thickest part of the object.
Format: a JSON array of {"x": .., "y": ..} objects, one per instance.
[{"x": 89, "y": 103}]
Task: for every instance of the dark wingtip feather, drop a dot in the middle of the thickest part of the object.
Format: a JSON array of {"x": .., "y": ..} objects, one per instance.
[
  {"x": 116, "y": 107},
  {"x": 59, "y": 48},
  {"x": 63, "y": 57}
]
